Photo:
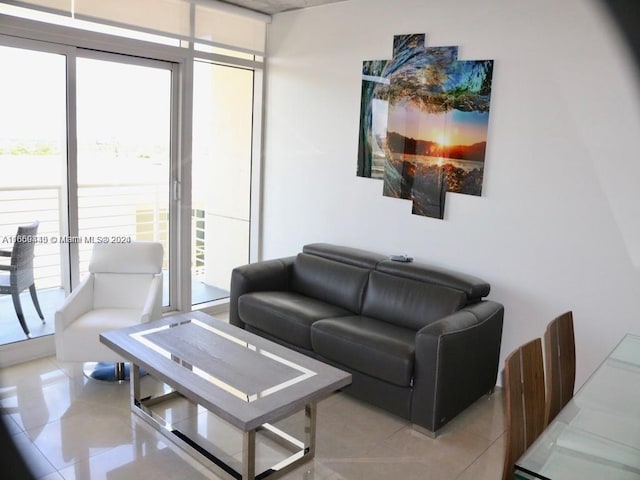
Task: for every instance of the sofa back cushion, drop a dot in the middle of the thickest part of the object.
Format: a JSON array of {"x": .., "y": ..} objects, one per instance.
[
  {"x": 329, "y": 281},
  {"x": 348, "y": 255},
  {"x": 473, "y": 287},
  {"x": 409, "y": 303}
]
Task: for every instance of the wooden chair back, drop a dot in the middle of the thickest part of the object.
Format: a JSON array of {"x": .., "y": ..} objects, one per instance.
[
  {"x": 560, "y": 364},
  {"x": 525, "y": 401}
]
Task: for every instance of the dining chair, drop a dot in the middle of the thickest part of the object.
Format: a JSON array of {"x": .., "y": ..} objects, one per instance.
[
  {"x": 123, "y": 288},
  {"x": 525, "y": 401},
  {"x": 20, "y": 270},
  {"x": 560, "y": 364}
]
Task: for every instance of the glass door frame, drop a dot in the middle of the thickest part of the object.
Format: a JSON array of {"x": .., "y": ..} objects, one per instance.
[
  {"x": 180, "y": 129},
  {"x": 48, "y": 37},
  {"x": 173, "y": 183},
  {"x": 66, "y": 273}
]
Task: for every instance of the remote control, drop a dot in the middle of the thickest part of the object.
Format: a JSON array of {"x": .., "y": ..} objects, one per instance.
[{"x": 401, "y": 258}]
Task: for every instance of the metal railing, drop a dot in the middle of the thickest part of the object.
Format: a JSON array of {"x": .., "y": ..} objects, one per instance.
[
  {"x": 105, "y": 212},
  {"x": 22, "y": 205}
]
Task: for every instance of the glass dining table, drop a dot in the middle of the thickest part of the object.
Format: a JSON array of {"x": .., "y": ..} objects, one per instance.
[{"x": 597, "y": 434}]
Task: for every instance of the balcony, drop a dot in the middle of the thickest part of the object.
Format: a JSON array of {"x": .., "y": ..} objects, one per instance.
[{"x": 105, "y": 210}]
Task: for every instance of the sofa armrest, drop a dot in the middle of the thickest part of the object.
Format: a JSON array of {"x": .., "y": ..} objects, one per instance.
[
  {"x": 262, "y": 276},
  {"x": 456, "y": 362}
]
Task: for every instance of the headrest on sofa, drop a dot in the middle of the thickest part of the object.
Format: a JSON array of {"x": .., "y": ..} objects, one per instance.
[
  {"x": 134, "y": 257},
  {"x": 348, "y": 255},
  {"x": 473, "y": 287}
]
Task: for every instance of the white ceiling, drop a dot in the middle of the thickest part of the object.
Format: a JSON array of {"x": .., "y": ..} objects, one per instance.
[{"x": 277, "y": 6}]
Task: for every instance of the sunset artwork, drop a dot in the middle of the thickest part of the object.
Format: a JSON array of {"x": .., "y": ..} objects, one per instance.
[{"x": 423, "y": 123}]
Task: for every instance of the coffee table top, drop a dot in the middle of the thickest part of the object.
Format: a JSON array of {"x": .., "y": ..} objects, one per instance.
[{"x": 239, "y": 376}]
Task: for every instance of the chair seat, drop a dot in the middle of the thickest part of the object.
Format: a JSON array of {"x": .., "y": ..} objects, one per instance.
[
  {"x": 5, "y": 284},
  {"x": 83, "y": 338}
]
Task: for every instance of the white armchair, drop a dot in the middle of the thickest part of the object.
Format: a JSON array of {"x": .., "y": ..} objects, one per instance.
[{"x": 124, "y": 288}]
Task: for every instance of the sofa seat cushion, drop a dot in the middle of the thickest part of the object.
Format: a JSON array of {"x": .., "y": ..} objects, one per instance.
[
  {"x": 376, "y": 348},
  {"x": 285, "y": 315}
]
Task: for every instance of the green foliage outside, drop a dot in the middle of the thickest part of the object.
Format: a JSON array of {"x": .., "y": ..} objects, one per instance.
[{"x": 35, "y": 149}]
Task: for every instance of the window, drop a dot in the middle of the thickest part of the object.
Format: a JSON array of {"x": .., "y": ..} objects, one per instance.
[{"x": 132, "y": 127}]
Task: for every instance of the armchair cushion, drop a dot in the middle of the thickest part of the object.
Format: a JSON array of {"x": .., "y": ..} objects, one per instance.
[
  {"x": 79, "y": 344},
  {"x": 121, "y": 290}
]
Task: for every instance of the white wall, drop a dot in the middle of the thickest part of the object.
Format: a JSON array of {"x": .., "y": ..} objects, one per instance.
[{"x": 558, "y": 223}]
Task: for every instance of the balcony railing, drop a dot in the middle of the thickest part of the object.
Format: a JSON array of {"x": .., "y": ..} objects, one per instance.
[
  {"x": 22, "y": 205},
  {"x": 136, "y": 211}
]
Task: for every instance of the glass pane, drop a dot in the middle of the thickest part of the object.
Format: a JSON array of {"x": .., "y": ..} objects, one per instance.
[
  {"x": 222, "y": 132},
  {"x": 124, "y": 133},
  {"x": 33, "y": 162}
]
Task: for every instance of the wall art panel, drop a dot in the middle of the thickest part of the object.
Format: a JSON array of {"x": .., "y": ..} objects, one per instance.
[{"x": 423, "y": 123}]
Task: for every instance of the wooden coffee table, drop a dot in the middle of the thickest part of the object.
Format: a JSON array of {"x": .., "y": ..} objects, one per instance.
[{"x": 242, "y": 378}]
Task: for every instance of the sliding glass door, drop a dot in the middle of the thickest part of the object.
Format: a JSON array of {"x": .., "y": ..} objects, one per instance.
[
  {"x": 86, "y": 150},
  {"x": 93, "y": 145},
  {"x": 124, "y": 127},
  {"x": 33, "y": 159}
]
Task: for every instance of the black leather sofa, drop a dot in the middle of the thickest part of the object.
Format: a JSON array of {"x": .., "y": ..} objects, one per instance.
[{"x": 419, "y": 341}]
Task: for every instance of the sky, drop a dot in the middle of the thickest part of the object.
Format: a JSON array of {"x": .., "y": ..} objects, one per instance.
[
  {"x": 452, "y": 128},
  {"x": 127, "y": 102},
  {"x": 32, "y": 97}
]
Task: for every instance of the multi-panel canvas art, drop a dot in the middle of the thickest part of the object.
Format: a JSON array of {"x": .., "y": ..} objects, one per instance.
[{"x": 423, "y": 123}]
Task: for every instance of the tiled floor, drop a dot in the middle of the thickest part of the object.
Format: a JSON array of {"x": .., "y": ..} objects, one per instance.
[{"x": 72, "y": 428}]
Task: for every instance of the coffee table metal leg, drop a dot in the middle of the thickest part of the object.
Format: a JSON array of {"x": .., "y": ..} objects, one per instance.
[
  {"x": 134, "y": 380},
  {"x": 247, "y": 469},
  {"x": 310, "y": 411},
  {"x": 249, "y": 455}
]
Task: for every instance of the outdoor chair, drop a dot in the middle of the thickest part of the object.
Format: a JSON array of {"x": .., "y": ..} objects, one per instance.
[{"x": 20, "y": 270}]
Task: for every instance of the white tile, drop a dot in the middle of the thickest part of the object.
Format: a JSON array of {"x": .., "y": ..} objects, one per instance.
[
  {"x": 52, "y": 476},
  {"x": 85, "y": 429},
  {"x": 11, "y": 426},
  {"x": 347, "y": 427},
  {"x": 490, "y": 464},
  {"x": 81, "y": 434},
  {"x": 149, "y": 460},
  {"x": 29, "y": 374},
  {"x": 36, "y": 461},
  {"x": 214, "y": 434},
  {"x": 34, "y": 407},
  {"x": 453, "y": 451},
  {"x": 485, "y": 418}
]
